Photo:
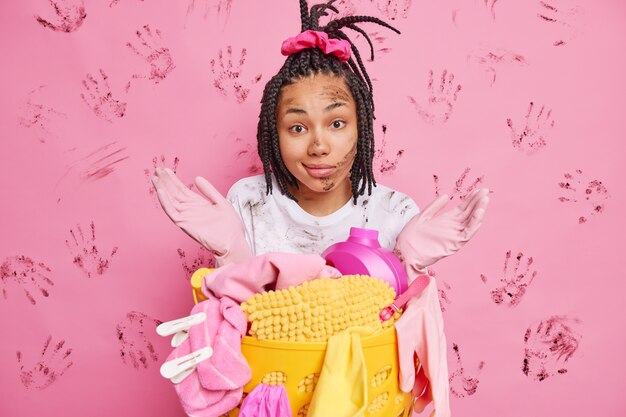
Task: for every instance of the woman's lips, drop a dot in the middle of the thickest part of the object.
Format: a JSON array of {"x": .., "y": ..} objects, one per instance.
[{"x": 319, "y": 170}]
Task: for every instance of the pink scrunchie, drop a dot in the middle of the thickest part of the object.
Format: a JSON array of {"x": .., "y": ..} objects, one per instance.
[{"x": 315, "y": 39}]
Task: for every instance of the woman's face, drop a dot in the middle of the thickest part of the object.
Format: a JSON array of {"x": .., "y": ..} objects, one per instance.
[{"x": 317, "y": 131}]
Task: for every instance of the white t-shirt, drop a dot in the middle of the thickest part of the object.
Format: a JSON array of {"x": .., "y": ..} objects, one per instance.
[{"x": 275, "y": 223}]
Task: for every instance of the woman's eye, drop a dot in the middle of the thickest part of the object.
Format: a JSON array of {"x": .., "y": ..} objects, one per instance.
[
  {"x": 338, "y": 124},
  {"x": 297, "y": 129}
]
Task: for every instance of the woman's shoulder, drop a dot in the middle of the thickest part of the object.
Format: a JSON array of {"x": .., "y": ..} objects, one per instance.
[
  {"x": 391, "y": 200},
  {"x": 247, "y": 186}
]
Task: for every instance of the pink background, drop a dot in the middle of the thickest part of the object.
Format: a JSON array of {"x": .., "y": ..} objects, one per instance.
[{"x": 68, "y": 162}]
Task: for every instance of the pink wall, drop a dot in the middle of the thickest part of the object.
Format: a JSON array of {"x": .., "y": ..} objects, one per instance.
[{"x": 81, "y": 224}]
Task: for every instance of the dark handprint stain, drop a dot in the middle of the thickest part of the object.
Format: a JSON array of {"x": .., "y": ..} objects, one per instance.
[
  {"x": 70, "y": 15},
  {"x": 383, "y": 164},
  {"x": 591, "y": 195},
  {"x": 114, "y": 2},
  {"x": 159, "y": 161},
  {"x": 250, "y": 156},
  {"x": 85, "y": 253},
  {"x": 491, "y": 60},
  {"x": 94, "y": 166},
  {"x": 534, "y": 135},
  {"x": 39, "y": 117},
  {"x": 344, "y": 8},
  {"x": 444, "y": 300},
  {"x": 460, "y": 384},
  {"x": 152, "y": 52},
  {"x": 548, "y": 347},
  {"x": 566, "y": 21},
  {"x": 136, "y": 349},
  {"x": 204, "y": 259},
  {"x": 491, "y": 7},
  {"x": 52, "y": 364},
  {"x": 99, "y": 98},
  {"x": 102, "y": 162},
  {"x": 23, "y": 272},
  {"x": 393, "y": 9},
  {"x": 378, "y": 46},
  {"x": 227, "y": 75},
  {"x": 459, "y": 190},
  {"x": 442, "y": 290},
  {"x": 222, "y": 8},
  {"x": 441, "y": 99},
  {"x": 515, "y": 282}
]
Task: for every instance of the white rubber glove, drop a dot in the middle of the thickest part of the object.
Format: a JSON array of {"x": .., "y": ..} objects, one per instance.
[
  {"x": 430, "y": 235},
  {"x": 208, "y": 218}
]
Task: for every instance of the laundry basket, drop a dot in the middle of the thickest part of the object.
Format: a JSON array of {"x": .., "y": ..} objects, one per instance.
[{"x": 300, "y": 365}]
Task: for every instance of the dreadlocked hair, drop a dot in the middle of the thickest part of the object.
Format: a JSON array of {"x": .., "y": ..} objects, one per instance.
[{"x": 313, "y": 61}]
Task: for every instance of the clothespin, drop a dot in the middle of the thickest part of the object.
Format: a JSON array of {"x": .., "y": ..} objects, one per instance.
[
  {"x": 179, "y": 327},
  {"x": 178, "y": 369}
]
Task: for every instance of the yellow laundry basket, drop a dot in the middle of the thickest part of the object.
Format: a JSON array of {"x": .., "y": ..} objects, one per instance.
[{"x": 300, "y": 365}]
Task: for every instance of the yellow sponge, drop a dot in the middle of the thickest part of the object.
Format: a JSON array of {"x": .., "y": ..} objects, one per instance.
[{"x": 315, "y": 310}]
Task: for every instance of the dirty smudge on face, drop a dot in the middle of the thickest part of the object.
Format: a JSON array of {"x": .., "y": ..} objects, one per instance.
[
  {"x": 328, "y": 183},
  {"x": 336, "y": 94}
]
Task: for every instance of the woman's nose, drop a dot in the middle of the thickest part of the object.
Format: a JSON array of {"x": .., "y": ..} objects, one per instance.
[{"x": 319, "y": 145}]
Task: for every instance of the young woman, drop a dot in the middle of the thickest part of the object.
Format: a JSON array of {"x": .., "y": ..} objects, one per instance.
[{"x": 316, "y": 143}]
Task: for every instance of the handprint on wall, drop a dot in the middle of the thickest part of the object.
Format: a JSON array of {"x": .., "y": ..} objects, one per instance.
[
  {"x": 149, "y": 173},
  {"x": 535, "y": 132},
  {"x": 379, "y": 42},
  {"x": 441, "y": 99},
  {"x": 345, "y": 8},
  {"x": 93, "y": 166},
  {"x": 567, "y": 21},
  {"x": 98, "y": 97},
  {"x": 393, "y": 9},
  {"x": 459, "y": 190},
  {"x": 249, "y": 155},
  {"x": 204, "y": 259},
  {"x": 31, "y": 277},
  {"x": 222, "y": 8},
  {"x": 70, "y": 15},
  {"x": 227, "y": 75},
  {"x": 514, "y": 282},
  {"x": 136, "y": 349},
  {"x": 443, "y": 289},
  {"x": 460, "y": 383},
  {"x": 491, "y": 60},
  {"x": 86, "y": 255},
  {"x": 443, "y": 296},
  {"x": 52, "y": 364},
  {"x": 382, "y": 164},
  {"x": 114, "y": 2},
  {"x": 152, "y": 52},
  {"x": 40, "y": 118},
  {"x": 548, "y": 346},
  {"x": 491, "y": 7},
  {"x": 590, "y": 195}
]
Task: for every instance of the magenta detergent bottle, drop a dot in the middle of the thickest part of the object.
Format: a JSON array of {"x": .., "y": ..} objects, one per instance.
[{"x": 362, "y": 254}]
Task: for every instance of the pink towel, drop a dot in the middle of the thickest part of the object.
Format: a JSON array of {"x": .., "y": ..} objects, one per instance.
[
  {"x": 216, "y": 385},
  {"x": 272, "y": 271}
]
